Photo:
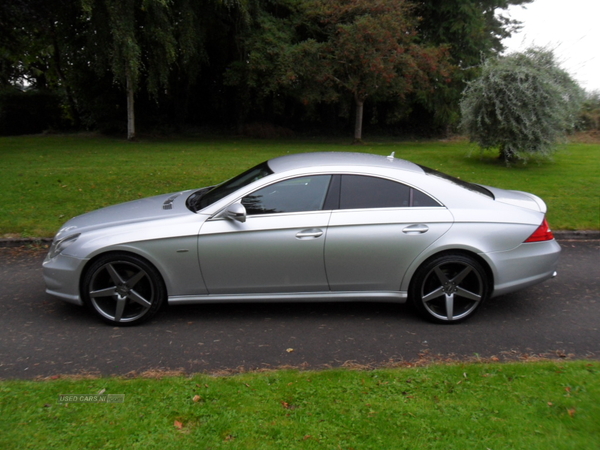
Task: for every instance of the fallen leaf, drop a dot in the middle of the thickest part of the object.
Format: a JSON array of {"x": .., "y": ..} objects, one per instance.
[
  {"x": 178, "y": 424},
  {"x": 290, "y": 350},
  {"x": 571, "y": 412},
  {"x": 197, "y": 398}
]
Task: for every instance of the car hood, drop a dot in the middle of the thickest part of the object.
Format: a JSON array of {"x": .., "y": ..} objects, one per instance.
[
  {"x": 143, "y": 210},
  {"x": 518, "y": 198}
]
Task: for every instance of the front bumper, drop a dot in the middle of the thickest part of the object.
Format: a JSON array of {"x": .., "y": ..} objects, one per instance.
[{"x": 61, "y": 275}]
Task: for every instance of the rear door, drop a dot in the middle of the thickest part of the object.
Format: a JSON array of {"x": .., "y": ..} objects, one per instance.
[{"x": 381, "y": 226}]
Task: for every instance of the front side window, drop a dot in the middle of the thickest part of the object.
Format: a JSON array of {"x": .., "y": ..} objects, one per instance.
[{"x": 294, "y": 195}]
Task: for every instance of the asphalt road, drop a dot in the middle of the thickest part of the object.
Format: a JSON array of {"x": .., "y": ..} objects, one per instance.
[{"x": 42, "y": 337}]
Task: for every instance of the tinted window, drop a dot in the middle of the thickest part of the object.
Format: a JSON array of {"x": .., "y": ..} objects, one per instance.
[
  {"x": 420, "y": 199},
  {"x": 360, "y": 191},
  {"x": 295, "y": 195}
]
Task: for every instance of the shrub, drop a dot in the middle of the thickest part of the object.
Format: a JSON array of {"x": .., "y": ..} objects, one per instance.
[{"x": 522, "y": 103}]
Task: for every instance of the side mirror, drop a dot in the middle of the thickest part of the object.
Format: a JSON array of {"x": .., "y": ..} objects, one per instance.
[{"x": 236, "y": 211}]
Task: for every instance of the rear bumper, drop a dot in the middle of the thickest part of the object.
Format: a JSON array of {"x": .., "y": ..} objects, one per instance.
[{"x": 524, "y": 266}]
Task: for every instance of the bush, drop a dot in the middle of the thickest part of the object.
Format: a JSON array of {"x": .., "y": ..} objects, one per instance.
[
  {"x": 29, "y": 112},
  {"x": 589, "y": 118},
  {"x": 522, "y": 103}
]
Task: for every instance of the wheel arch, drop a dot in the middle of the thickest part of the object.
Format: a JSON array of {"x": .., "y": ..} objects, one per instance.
[
  {"x": 128, "y": 252},
  {"x": 414, "y": 268}
]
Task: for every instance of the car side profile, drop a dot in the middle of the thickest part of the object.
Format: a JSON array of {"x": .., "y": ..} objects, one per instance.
[{"x": 307, "y": 227}]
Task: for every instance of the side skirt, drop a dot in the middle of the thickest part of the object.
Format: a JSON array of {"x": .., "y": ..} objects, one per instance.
[{"x": 361, "y": 296}]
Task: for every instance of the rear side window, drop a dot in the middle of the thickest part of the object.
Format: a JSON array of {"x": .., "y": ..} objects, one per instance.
[{"x": 359, "y": 191}]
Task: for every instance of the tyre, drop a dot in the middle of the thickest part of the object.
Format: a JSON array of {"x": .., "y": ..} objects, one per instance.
[
  {"x": 449, "y": 288},
  {"x": 123, "y": 289}
]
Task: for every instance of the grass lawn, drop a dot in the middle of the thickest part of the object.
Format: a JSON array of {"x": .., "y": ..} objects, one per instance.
[
  {"x": 542, "y": 405},
  {"x": 48, "y": 179},
  {"x": 45, "y": 180}
]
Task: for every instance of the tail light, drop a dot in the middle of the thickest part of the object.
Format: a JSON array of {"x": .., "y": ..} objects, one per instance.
[{"x": 543, "y": 233}]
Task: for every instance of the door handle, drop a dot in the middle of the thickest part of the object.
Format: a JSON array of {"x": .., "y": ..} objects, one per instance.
[
  {"x": 416, "y": 229},
  {"x": 310, "y": 233}
]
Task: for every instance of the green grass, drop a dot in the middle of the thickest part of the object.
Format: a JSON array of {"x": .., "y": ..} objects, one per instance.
[
  {"x": 543, "y": 405},
  {"x": 45, "y": 180}
]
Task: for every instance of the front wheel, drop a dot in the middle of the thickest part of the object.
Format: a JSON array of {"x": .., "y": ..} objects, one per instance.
[
  {"x": 123, "y": 289},
  {"x": 449, "y": 288}
]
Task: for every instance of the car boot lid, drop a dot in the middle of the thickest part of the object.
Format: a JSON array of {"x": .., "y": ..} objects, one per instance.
[{"x": 518, "y": 198}]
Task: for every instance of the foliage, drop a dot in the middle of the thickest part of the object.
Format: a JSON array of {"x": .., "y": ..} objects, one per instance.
[
  {"x": 29, "y": 112},
  {"x": 589, "y": 117},
  {"x": 522, "y": 103},
  {"x": 471, "y": 29},
  {"x": 537, "y": 405},
  {"x": 323, "y": 50},
  {"x": 65, "y": 176},
  {"x": 187, "y": 60}
]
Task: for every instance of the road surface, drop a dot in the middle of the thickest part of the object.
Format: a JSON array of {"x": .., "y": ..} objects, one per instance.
[{"x": 44, "y": 337}]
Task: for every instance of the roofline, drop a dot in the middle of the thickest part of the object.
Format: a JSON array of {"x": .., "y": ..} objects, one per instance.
[{"x": 325, "y": 159}]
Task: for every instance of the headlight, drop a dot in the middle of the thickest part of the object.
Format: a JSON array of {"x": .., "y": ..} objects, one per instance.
[{"x": 58, "y": 246}]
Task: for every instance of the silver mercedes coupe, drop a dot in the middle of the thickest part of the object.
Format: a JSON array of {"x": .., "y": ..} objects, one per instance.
[{"x": 307, "y": 227}]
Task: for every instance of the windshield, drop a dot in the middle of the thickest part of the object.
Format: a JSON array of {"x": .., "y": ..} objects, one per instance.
[
  {"x": 207, "y": 196},
  {"x": 464, "y": 184}
]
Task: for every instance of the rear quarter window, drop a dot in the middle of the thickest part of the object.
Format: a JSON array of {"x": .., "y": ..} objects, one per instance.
[{"x": 360, "y": 191}]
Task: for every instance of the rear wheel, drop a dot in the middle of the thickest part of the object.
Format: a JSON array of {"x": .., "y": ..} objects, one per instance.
[
  {"x": 123, "y": 289},
  {"x": 449, "y": 288}
]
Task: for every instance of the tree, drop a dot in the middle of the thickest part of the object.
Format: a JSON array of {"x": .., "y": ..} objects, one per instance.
[
  {"x": 132, "y": 37},
  {"x": 471, "y": 29},
  {"x": 589, "y": 117},
  {"x": 38, "y": 41},
  {"x": 523, "y": 103},
  {"x": 370, "y": 50},
  {"x": 323, "y": 50}
]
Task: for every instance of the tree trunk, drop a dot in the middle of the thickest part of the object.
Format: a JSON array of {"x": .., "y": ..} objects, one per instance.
[
  {"x": 506, "y": 156},
  {"x": 73, "y": 111},
  {"x": 359, "y": 119},
  {"x": 130, "y": 108}
]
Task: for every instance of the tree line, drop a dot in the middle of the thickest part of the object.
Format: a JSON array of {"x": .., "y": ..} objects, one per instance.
[{"x": 264, "y": 66}]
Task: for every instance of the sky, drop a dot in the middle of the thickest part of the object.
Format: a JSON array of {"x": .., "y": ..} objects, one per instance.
[{"x": 571, "y": 28}]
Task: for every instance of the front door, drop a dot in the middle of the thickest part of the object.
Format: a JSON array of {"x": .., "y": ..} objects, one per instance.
[{"x": 279, "y": 248}]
